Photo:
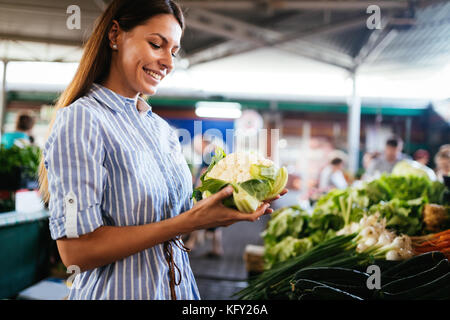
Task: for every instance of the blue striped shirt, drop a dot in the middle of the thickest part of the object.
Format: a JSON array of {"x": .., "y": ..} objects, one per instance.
[{"x": 111, "y": 161}]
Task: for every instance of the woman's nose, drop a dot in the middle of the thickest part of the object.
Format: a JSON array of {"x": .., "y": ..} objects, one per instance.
[{"x": 167, "y": 61}]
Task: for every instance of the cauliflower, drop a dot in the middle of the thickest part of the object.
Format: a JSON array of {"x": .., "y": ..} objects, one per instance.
[
  {"x": 253, "y": 178},
  {"x": 236, "y": 167}
]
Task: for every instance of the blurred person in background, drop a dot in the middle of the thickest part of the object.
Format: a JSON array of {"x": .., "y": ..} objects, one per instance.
[
  {"x": 422, "y": 156},
  {"x": 442, "y": 161},
  {"x": 332, "y": 176},
  {"x": 22, "y": 135},
  {"x": 386, "y": 162},
  {"x": 368, "y": 158}
]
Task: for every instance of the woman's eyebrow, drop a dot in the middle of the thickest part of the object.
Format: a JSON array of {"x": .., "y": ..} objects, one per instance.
[{"x": 163, "y": 38}]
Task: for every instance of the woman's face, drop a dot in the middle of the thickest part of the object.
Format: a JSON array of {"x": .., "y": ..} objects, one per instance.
[{"x": 145, "y": 55}]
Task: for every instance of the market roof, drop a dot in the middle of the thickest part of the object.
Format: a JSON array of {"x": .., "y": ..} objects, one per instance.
[{"x": 334, "y": 32}]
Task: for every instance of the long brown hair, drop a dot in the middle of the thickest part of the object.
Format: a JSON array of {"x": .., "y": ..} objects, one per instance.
[{"x": 96, "y": 60}]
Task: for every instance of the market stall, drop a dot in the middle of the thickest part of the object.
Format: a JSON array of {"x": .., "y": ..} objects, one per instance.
[
  {"x": 385, "y": 239},
  {"x": 25, "y": 250},
  {"x": 316, "y": 87}
]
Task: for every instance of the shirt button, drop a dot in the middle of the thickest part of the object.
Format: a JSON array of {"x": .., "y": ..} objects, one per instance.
[{"x": 70, "y": 200}]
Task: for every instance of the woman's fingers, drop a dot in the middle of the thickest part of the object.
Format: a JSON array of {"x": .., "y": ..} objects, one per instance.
[
  {"x": 223, "y": 194},
  {"x": 273, "y": 199},
  {"x": 278, "y": 196},
  {"x": 255, "y": 215}
]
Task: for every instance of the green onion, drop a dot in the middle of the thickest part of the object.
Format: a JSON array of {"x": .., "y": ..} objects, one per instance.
[{"x": 338, "y": 251}]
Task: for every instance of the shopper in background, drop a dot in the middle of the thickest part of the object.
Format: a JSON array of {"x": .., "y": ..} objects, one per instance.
[
  {"x": 332, "y": 176},
  {"x": 22, "y": 135},
  {"x": 386, "y": 162},
  {"x": 368, "y": 159},
  {"x": 444, "y": 147},
  {"x": 442, "y": 161},
  {"x": 422, "y": 156}
]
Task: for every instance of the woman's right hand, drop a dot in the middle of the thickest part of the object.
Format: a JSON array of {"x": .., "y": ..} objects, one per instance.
[{"x": 210, "y": 212}]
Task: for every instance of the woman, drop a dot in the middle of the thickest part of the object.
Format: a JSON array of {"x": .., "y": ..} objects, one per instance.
[{"x": 112, "y": 173}]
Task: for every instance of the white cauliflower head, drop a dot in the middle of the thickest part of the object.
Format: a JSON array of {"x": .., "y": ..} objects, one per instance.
[
  {"x": 254, "y": 179},
  {"x": 235, "y": 167}
]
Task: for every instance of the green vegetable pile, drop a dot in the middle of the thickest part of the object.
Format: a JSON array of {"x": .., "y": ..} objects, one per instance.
[
  {"x": 18, "y": 167},
  {"x": 399, "y": 199},
  {"x": 26, "y": 158},
  {"x": 274, "y": 283},
  {"x": 292, "y": 231},
  {"x": 334, "y": 270}
]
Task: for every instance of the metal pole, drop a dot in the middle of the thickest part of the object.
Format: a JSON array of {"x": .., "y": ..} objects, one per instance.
[
  {"x": 408, "y": 135},
  {"x": 3, "y": 97},
  {"x": 354, "y": 124},
  {"x": 303, "y": 159}
]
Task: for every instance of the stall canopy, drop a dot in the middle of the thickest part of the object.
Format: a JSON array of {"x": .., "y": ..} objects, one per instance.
[
  {"x": 351, "y": 36},
  {"x": 334, "y": 32}
]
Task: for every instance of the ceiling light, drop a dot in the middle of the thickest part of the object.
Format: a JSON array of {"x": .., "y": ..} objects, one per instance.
[{"x": 209, "y": 109}]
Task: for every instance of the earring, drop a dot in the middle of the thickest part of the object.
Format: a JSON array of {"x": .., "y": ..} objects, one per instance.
[{"x": 114, "y": 46}]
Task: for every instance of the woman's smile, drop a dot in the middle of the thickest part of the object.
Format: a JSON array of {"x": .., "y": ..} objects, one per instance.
[{"x": 156, "y": 77}]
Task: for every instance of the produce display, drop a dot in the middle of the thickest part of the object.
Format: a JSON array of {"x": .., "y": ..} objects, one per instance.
[
  {"x": 422, "y": 277},
  {"x": 387, "y": 223},
  {"x": 373, "y": 237},
  {"x": 274, "y": 283},
  {"x": 254, "y": 179},
  {"x": 335, "y": 270},
  {"x": 410, "y": 167},
  {"x": 400, "y": 200},
  {"x": 18, "y": 169},
  {"x": 433, "y": 242}
]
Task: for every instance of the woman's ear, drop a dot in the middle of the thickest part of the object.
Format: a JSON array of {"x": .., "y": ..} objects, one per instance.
[{"x": 114, "y": 35}]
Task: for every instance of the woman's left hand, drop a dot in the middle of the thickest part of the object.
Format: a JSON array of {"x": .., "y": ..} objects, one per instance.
[{"x": 269, "y": 210}]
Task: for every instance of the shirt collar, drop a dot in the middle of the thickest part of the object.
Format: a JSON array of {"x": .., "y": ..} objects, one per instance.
[
  {"x": 143, "y": 107},
  {"x": 118, "y": 102}
]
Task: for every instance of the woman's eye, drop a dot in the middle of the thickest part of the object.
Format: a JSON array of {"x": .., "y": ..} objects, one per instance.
[{"x": 154, "y": 45}]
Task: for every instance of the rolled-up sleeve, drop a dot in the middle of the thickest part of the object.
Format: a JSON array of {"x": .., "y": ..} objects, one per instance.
[{"x": 74, "y": 159}]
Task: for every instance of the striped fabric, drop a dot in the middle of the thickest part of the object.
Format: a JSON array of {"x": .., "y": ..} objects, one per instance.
[{"x": 112, "y": 161}]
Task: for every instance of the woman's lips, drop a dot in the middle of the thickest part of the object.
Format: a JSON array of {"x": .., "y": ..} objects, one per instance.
[{"x": 153, "y": 74}]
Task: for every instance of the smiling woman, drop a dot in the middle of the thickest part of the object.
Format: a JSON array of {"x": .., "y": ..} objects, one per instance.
[
  {"x": 141, "y": 59},
  {"x": 112, "y": 172}
]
